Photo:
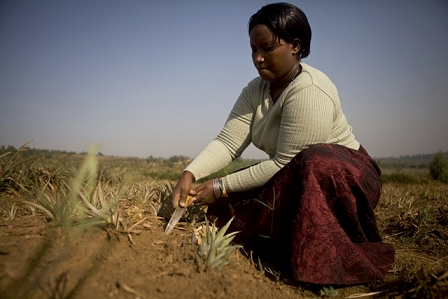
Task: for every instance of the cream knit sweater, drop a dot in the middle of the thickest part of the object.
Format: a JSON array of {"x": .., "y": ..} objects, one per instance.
[{"x": 307, "y": 112}]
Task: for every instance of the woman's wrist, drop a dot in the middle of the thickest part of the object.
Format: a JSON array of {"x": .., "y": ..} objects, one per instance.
[
  {"x": 219, "y": 189},
  {"x": 188, "y": 175}
]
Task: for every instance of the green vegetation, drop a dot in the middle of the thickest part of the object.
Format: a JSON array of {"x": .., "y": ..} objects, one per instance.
[
  {"x": 215, "y": 249},
  {"x": 328, "y": 292},
  {"x": 398, "y": 178},
  {"x": 415, "y": 161},
  {"x": 62, "y": 196},
  {"x": 438, "y": 168}
]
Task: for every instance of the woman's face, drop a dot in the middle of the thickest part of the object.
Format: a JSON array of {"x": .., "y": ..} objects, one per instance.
[{"x": 273, "y": 59}]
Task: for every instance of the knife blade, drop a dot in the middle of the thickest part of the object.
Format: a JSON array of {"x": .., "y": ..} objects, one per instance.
[{"x": 178, "y": 212}]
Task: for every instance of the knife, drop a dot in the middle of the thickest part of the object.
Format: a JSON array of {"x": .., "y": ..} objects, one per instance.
[{"x": 178, "y": 212}]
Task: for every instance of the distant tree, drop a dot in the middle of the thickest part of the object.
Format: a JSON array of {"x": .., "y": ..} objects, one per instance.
[
  {"x": 151, "y": 159},
  {"x": 438, "y": 168},
  {"x": 174, "y": 158},
  {"x": 10, "y": 148}
]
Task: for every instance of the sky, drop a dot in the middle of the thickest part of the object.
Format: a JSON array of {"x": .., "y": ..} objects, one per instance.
[{"x": 159, "y": 78}]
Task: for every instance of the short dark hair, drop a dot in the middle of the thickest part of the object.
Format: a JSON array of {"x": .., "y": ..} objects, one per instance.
[{"x": 287, "y": 22}]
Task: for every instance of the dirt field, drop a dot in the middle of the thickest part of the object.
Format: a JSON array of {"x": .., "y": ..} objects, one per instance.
[
  {"x": 39, "y": 261},
  {"x": 41, "y": 258}
]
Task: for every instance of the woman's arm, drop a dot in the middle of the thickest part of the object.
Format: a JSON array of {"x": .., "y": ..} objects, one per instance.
[
  {"x": 230, "y": 142},
  {"x": 227, "y": 146},
  {"x": 307, "y": 119}
]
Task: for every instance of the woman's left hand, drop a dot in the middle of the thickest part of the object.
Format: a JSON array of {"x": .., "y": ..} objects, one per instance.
[{"x": 205, "y": 195}]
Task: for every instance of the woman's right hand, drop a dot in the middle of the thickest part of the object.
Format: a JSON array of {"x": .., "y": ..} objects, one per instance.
[{"x": 182, "y": 189}]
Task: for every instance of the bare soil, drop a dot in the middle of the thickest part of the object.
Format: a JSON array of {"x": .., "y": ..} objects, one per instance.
[
  {"x": 40, "y": 259},
  {"x": 43, "y": 259}
]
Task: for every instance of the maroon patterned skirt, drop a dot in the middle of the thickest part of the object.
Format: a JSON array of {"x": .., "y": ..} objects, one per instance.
[{"x": 315, "y": 217}]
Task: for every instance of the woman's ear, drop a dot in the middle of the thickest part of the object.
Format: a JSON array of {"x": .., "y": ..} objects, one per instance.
[{"x": 296, "y": 46}]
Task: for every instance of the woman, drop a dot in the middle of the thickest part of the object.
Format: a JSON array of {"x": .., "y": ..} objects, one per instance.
[{"x": 311, "y": 203}]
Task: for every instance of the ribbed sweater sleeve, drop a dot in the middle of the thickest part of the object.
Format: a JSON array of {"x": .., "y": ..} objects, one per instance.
[
  {"x": 230, "y": 142},
  {"x": 308, "y": 112}
]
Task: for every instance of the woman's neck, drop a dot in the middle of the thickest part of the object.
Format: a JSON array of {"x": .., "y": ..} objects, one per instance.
[
  {"x": 295, "y": 71},
  {"x": 276, "y": 90}
]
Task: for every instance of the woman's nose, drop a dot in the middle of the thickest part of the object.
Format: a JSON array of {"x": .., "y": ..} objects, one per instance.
[{"x": 258, "y": 57}]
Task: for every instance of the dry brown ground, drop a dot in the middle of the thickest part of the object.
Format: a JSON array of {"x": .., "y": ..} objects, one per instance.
[{"x": 39, "y": 259}]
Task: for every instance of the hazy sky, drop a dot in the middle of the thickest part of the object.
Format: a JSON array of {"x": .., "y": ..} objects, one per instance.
[{"x": 160, "y": 77}]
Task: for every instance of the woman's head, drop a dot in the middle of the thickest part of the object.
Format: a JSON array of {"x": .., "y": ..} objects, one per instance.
[{"x": 287, "y": 22}]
